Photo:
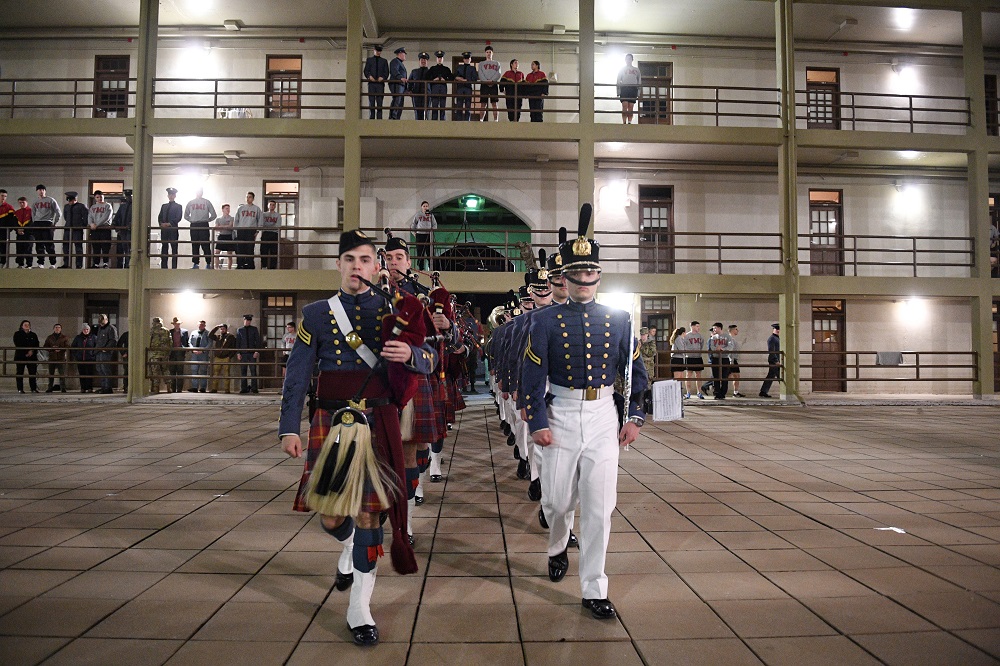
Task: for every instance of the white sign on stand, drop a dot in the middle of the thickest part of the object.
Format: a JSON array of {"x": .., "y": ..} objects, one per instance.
[{"x": 668, "y": 401}]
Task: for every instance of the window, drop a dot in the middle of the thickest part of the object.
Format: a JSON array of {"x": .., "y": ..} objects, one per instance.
[
  {"x": 822, "y": 98},
  {"x": 276, "y": 311},
  {"x": 656, "y": 229},
  {"x": 111, "y": 86},
  {"x": 654, "y": 97},
  {"x": 659, "y": 311},
  {"x": 98, "y": 304},
  {"x": 284, "y": 81},
  {"x": 826, "y": 232}
]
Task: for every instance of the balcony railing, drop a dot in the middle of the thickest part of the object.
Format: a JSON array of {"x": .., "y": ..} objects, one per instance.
[
  {"x": 247, "y": 98},
  {"x": 669, "y": 104},
  {"x": 885, "y": 112},
  {"x": 915, "y": 256},
  {"x": 863, "y": 366},
  {"x": 64, "y": 98}
]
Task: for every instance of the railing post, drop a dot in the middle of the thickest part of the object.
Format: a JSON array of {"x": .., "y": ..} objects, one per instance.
[
  {"x": 916, "y": 361},
  {"x": 215, "y": 100},
  {"x": 718, "y": 249},
  {"x": 13, "y": 91},
  {"x": 910, "y": 98},
  {"x": 717, "y": 109},
  {"x": 913, "y": 242},
  {"x": 76, "y": 95}
]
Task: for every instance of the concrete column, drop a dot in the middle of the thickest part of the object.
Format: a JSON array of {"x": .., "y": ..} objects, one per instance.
[
  {"x": 142, "y": 198},
  {"x": 788, "y": 299},
  {"x": 585, "y": 157},
  {"x": 979, "y": 192},
  {"x": 352, "y": 117}
]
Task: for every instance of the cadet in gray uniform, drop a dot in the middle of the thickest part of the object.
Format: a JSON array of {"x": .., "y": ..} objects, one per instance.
[
  {"x": 199, "y": 212},
  {"x": 99, "y": 221},
  {"x": 489, "y": 85},
  {"x": 45, "y": 216},
  {"x": 269, "y": 224}
]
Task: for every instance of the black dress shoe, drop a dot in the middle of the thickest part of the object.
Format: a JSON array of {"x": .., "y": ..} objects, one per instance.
[
  {"x": 511, "y": 440},
  {"x": 382, "y": 517},
  {"x": 763, "y": 395},
  {"x": 505, "y": 428},
  {"x": 418, "y": 500},
  {"x": 49, "y": 390},
  {"x": 192, "y": 390},
  {"x": 436, "y": 478},
  {"x": 255, "y": 391},
  {"x": 523, "y": 470},
  {"x": 244, "y": 390},
  {"x": 573, "y": 541},
  {"x": 34, "y": 390},
  {"x": 366, "y": 635},
  {"x": 541, "y": 518},
  {"x": 558, "y": 566},
  {"x": 601, "y": 609},
  {"x": 535, "y": 490},
  {"x": 517, "y": 455},
  {"x": 344, "y": 581}
]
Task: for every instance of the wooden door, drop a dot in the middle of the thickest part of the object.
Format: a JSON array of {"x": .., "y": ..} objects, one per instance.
[
  {"x": 111, "y": 86},
  {"x": 656, "y": 230},
  {"x": 829, "y": 324},
  {"x": 655, "y": 93},
  {"x": 826, "y": 232},
  {"x": 822, "y": 98},
  {"x": 992, "y": 110},
  {"x": 284, "y": 82}
]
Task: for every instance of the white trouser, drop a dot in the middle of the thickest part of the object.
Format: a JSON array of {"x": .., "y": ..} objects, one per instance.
[
  {"x": 521, "y": 436},
  {"x": 359, "y": 611},
  {"x": 582, "y": 464},
  {"x": 345, "y": 564}
]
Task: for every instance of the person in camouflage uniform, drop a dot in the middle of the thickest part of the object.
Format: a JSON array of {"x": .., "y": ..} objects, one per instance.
[
  {"x": 647, "y": 349},
  {"x": 159, "y": 352}
]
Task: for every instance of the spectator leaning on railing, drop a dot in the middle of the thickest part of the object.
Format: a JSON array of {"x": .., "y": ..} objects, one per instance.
[
  {"x": 26, "y": 356},
  {"x": 82, "y": 353},
  {"x": 57, "y": 345},
  {"x": 107, "y": 339}
]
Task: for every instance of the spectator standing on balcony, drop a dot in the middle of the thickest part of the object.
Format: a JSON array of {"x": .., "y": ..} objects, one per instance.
[
  {"x": 200, "y": 343},
  {"x": 99, "y": 221},
  {"x": 397, "y": 83},
  {"x": 26, "y": 356},
  {"x": 179, "y": 341},
  {"x": 270, "y": 223},
  {"x": 376, "y": 72},
  {"x": 439, "y": 75},
  {"x": 57, "y": 345},
  {"x": 82, "y": 353},
  {"x": 513, "y": 95},
  {"x": 773, "y": 360},
  {"x": 423, "y": 225},
  {"x": 199, "y": 212},
  {"x": 248, "y": 221},
  {"x": 536, "y": 86},
  {"x": 734, "y": 356},
  {"x": 105, "y": 343},
  {"x": 417, "y": 87},
  {"x": 629, "y": 83},
  {"x": 224, "y": 239},
  {"x": 223, "y": 349},
  {"x": 465, "y": 77},
  {"x": 248, "y": 345},
  {"x": 45, "y": 216},
  {"x": 76, "y": 216},
  {"x": 169, "y": 219},
  {"x": 8, "y": 221},
  {"x": 694, "y": 363},
  {"x": 123, "y": 228},
  {"x": 24, "y": 238},
  {"x": 489, "y": 90}
]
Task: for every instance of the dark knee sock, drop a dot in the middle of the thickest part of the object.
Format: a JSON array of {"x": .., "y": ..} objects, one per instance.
[
  {"x": 367, "y": 548},
  {"x": 438, "y": 446},
  {"x": 423, "y": 459},
  {"x": 342, "y": 531},
  {"x": 412, "y": 479}
]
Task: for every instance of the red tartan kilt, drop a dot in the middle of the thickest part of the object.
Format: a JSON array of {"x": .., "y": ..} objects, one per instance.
[
  {"x": 441, "y": 405},
  {"x": 456, "y": 395},
  {"x": 318, "y": 430},
  {"x": 425, "y": 418}
]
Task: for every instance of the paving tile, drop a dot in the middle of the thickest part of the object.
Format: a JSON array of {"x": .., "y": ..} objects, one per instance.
[
  {"x": 395, "y": 623},
  {"x": 566, "y": 622},
  {"x": 953, "y": 610},
  {"x": 812, "y": 650},
  {"x": 770, "y": 618},
  {"x": 924, "y": 648},
  {"x": 697, "y": 652},
  {"x": 465, "y": 589},
  {"x": 805, "y": 584},
  {"x": 28, "y": 649},
  {"x": 258, "y": 621},
  {"x": 623, "y": 653},
  {"x": 115, "y": 652},
  {"x": 56, "y": 616},
  {"x": 867, "y": 614},
  {"x": 336, "y": 654},
  {"x": 467, "y": 623},
  {"x": 224, "y": 653},
  {"x": 122, "y": 585},
  {"x": 987, "y": 640},
  {"x": 733, "y": 585},
  {"x": 673, "y": 619},
  {"x": 435, "y": 654}
]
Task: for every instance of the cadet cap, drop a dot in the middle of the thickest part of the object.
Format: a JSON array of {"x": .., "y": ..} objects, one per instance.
[
  {"x": 396, "y": 243},
  {"x": 466, "y": 54},
  {"x": 424, "y": 55},
  {"x": 353, "y": 239},
  {"x": 439, "y": 54},
  {"x": 72, "y": 195},
  {"x": 776, "y": 326},
  {"x": 377, "y": 47},
  {"x": 399, "y": 50},
  {"x": 171, "y": 190},
  {"x": 175, "y": 320},
  {"x": 248, "y": 317}
]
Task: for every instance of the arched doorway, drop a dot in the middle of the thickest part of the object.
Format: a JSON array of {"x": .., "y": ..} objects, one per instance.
[{"x": 476, "y": 233}]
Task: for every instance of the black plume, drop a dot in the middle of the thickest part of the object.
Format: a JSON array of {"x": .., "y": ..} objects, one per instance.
[
  {"x": 541, "y": 258},
  {"x": 562, "y": 235},
  {"x": 527, "y": 278},
  {"x": 586, "y": 210}
]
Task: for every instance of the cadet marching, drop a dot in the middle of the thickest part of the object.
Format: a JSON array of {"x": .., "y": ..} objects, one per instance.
[{"x": 387, "y": 359}]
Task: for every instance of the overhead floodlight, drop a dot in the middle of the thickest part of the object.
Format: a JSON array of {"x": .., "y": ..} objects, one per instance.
[
  {"x": 233, "y": 25},
  {"x": 472, "y": 202}
]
